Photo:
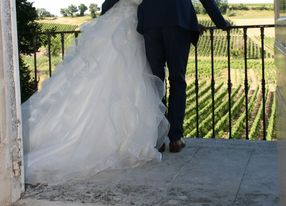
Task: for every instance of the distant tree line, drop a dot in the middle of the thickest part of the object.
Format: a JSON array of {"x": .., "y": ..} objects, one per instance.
[
  {"x": 80, "y": 10},
  {"x": 222, "y": 5},
  {"x": 251, "y": 7},
  {"x": 229, "y": 9},
  {"x": 42, "y": 13}
]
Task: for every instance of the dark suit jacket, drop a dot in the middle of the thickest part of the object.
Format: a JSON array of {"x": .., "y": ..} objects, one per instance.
[
  {"x": 166, "y": 13},
  {"x": 107, "y": 4},
  {"x": 161, "y": 13}
]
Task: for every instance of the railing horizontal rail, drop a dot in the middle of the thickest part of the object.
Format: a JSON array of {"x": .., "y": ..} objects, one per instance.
[
  {"x": 211, "y": 44},
  {"x": 51, "y": 32},
  {"x": 246, "y": 26}
]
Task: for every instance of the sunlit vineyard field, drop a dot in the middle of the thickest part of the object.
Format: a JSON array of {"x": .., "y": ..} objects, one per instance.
[
  {"x": 255, "y": 107},
  {"x": 58, "y": 27},
  {"x": 221, "y": 90}
]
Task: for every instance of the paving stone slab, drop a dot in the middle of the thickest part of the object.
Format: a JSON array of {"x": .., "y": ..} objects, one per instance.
[
  {"x": 259, "y": 185},
  {"x": 205, "y": 173}
]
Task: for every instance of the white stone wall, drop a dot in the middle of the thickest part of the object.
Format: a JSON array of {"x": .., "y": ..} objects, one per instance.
[{"x": 11, "y": 154}]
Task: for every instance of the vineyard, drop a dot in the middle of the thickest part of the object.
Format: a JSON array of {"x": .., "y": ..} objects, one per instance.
[
  {"x": 221, "y": 99},
  {"x": 238, "y": 109},
  {"x": 58, "y": 27}
]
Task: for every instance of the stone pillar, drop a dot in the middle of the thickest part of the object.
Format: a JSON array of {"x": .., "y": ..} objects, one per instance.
[
  {"x": 11, "y": 154},
  {"x": 280, "y": 60}
]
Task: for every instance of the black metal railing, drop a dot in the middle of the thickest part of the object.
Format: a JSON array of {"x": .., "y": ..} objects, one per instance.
[
  {"x": 211, "y": 31},
  {"x": 229, "y": 81},
  {"x": 49, "y": 36}
]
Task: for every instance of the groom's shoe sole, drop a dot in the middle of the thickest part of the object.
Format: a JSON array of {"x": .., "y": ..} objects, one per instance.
[{"x": 162, "y": 148}]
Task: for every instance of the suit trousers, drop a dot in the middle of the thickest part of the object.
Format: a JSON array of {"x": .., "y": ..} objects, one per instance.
[{"x": 170, "y": 46}]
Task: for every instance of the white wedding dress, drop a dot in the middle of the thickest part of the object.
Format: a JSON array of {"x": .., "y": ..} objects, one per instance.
[{"x": 100, "y": 110}]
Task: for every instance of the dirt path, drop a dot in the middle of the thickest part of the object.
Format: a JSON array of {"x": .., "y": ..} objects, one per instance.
[{"x": 269, "y": 32}]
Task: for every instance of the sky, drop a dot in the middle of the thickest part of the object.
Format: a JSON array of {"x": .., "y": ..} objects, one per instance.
[{"x": 54, "y": 6}]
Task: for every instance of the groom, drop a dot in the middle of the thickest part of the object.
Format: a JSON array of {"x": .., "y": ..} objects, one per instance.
[{"x": 169, "y": 27}]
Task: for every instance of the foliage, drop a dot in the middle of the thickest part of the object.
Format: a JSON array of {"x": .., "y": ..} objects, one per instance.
[
  {"x": 237, "y": 44},
  {"x": 271, "y": 122},
  {"x": 93, "y": 8},
  {"x": 64, "y": 12},
  {"x": 55, "y": 47},
  {"x": 43, "y": 13},
  {"x": 27, "y": 82},
  {"x": 72, "y": 10},
  {"x": 245, "y": 7},
  {"x": 239, "y": 7},
  {"x": 222, "y": 5},
  {"x": 26, "y": 16},
  {"x": 58, "y": 27},
  {"x": 256, "y": 123},
  {"x": 238, "y": 126},
  {"x": 82, "y": 8}
]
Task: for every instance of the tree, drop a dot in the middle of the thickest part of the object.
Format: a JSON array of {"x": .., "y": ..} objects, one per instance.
[
  {"x": 64, "y": 12},
  {"x": 26, "y": 16},
  {"x": 82, "y": 8},
  {"x": 72, "y": 9},
  {"x": 222, "y": 5},
  {"x": 43, "y": 13},
  {"x": 93, "y": 8}
]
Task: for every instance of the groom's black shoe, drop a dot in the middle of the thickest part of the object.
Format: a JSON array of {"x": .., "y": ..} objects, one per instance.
[
  {"x": 177, "y": 146},
  {"x": 162, "y": 148}
]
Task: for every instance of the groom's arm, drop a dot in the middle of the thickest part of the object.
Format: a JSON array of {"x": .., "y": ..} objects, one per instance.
[
  {"x": 215, "y": 14},
  {"x": 107, "y": 4}
]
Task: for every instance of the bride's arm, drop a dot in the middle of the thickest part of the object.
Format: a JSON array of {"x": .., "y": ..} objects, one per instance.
[{"x": 107, "y": 4}]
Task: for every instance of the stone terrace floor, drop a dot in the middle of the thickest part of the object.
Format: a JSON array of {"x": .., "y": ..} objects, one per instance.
[{"x": 205, "y": 173}]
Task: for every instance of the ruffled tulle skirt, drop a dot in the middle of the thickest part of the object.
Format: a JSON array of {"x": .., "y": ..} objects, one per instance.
[{"x": 100, "y": 110}]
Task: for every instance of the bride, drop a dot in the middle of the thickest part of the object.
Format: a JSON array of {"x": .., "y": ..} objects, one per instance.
[{"x": 101, "y": 109}]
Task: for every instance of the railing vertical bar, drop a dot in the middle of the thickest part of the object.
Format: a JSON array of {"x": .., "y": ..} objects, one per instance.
[
  {"x": 76, "y": 34},
  {"x": 263, "y": 82},
  {"x": 63, "y": 44},
  {"x": 197, "y": 91},
  {"x": 246, "y": 82},
  {"x": 212, "y": 82},
  {"x": 35, "y": 61},
  {"x": 49, "y": 53},
  {"x": 229, "y": 84}
]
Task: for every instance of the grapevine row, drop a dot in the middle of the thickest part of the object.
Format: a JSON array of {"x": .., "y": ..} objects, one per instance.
[
  {"x": 255, "y": 125},
  {"x": 271, "y": 122},
  {"x": 189, "y": 123},
  {"x": 206, "y": 123},
  {"x": 239, "y": 123},
  {"x": 222, "y": 123}
]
